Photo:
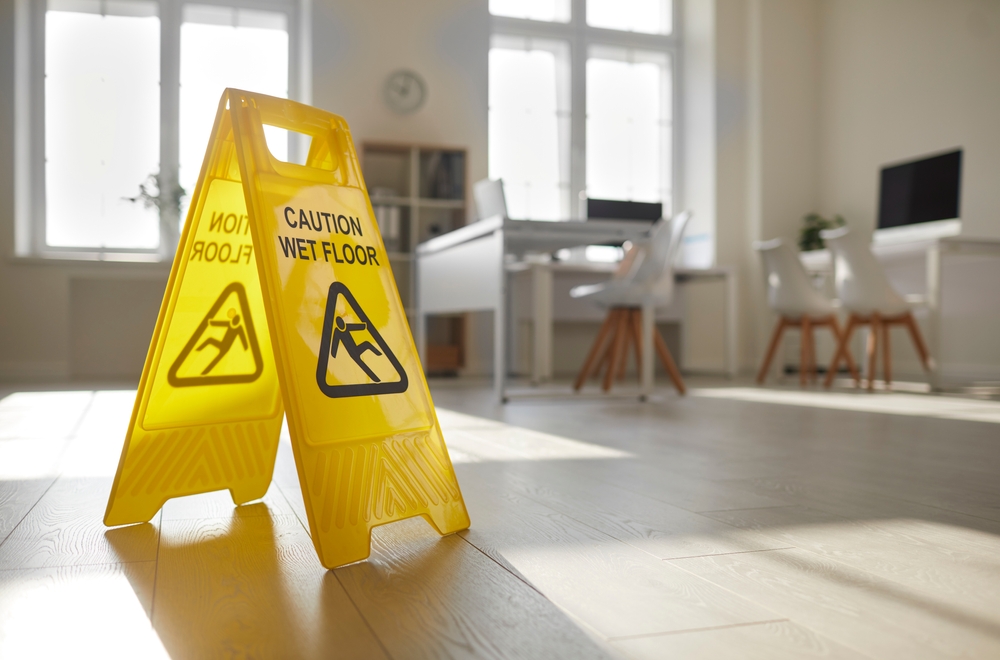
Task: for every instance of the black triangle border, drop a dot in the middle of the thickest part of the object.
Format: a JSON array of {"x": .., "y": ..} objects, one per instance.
[
  {"x": 241, "y": 294},
  {"x": 366, "y": 389}
]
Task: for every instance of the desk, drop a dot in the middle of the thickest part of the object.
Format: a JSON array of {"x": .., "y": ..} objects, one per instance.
[
  {"x": 933, "y": 252},
  {"x": 466, "y": 270}
]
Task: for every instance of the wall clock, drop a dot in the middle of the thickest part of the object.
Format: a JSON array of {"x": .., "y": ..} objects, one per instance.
[{"x": 404, "y": 91}]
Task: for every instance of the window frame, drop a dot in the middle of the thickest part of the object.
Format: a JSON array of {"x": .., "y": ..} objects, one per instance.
[
  {"x": 581, "y": 37},
  {"x": 30, "y": 210}
]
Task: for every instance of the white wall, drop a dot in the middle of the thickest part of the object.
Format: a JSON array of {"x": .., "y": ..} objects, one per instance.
[
  {"x": 356, "y": 45},
  {"x": 902, "y": 78}
]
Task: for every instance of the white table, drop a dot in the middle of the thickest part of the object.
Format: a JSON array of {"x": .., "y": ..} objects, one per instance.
[
  {"x": 934, "y": 252},
  {"x": 466, "y": 270}
]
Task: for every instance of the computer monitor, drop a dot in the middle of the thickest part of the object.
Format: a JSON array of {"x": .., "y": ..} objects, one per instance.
[
  {"x": 613, "y": 209},
  {"x": 919, "y": 199}
]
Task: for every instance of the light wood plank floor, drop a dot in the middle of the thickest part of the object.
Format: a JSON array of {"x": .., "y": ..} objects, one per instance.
[{"x": 732, "y": 523}]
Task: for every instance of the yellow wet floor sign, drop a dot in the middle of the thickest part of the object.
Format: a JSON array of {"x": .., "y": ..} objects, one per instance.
[{"x": 281, "y": 301}]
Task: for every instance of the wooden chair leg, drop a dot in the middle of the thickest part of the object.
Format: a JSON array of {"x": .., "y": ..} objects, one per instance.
[
  {"x": 812, "y": 353},
  {"x": 918, "y": 340},
  {"x": 841, "y": 352},
  {"x": 779, "y": 329},
  {"x": 668, "y": 361},
  {"x": 637, "y": 340},
  {"x": 872, "y": 350},
  {"x": 806, "y": 329},
  {"x": 626, "y": 344},
  {"x": 595, "y": 350},
  {"x": 851, "y": 367},
  {"x": 886, "y": 355},
  {"x": 617, "y": 345}
]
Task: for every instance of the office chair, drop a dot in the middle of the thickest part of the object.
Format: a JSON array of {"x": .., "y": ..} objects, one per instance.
[
  {"x": 869, "y": 299},
  {"x": 490, "y": 199},
  {"x": 647, "y": 278},
  {"x": 798, "y": 304}
]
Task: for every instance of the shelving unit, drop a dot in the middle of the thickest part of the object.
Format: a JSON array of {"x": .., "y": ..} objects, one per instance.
[{"x": 419, "y": 191}]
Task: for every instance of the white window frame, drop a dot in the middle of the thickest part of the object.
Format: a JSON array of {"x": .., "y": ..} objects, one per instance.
[
  {"x": 30, "y": 193},
  {"x": 581, "y": 38}
]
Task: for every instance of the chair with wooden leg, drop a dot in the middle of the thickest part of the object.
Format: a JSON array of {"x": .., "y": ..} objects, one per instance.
[
  {"x": 798, "y": 304},
  {"x": 869, "y": 299},
  {"x": 647, "y": 278}
]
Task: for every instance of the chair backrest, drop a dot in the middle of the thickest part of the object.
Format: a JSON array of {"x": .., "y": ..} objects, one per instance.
[
  {"x": 861, "y": 283},
  {"x": 654, "y": 269},
  {"x": 789, "y": 290},
  {"x": 490, "y": 199}
]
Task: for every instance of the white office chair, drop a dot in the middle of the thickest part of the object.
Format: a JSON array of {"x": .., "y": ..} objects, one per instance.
[
  {"x": 798, "y": 304},
  {"x": 647, "y": 279},
  {"x": 869, "y": 299},
  {"x": 490, "y": 199}
]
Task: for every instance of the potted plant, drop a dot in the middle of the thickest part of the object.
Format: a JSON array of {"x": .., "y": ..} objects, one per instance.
[{"x": 812, "y": 225}]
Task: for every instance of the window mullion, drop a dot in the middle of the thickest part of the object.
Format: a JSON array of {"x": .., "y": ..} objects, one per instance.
[
  {"x": 170, "y": 65},
  {"x": 578, "y": 106}
]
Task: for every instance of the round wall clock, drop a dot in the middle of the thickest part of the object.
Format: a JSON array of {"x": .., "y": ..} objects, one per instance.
[{"x": 404, "y": 92}]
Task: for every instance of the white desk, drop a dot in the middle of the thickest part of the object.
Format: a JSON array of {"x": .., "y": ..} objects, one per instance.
[
  {"x": 934, "y": 252},
  {"x": 467, "y": 269}
]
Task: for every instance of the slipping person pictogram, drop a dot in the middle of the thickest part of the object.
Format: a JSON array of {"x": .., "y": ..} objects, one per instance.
[
  {"x": 234, "y": 330},
  {"x": 339, "y": 333},
  {"x": 187, "y": 371},
  {"x": 342, "y": 335}
]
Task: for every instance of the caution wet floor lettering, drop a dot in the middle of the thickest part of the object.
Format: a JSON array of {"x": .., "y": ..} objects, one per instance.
[{"x": 281, "y": 303}]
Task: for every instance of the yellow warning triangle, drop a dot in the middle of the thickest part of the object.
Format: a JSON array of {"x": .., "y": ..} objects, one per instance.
[
  {"x": 281, "y": 302},
  {"x": 227, "y": 326}
]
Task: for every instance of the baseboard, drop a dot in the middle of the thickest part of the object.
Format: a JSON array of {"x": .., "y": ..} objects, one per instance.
[{"x": 34, "y": 370}]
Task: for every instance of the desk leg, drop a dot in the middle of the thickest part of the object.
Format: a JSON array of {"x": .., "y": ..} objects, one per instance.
[
  {"x": 500, "y": 334},
  {"x": 541, "y": 283},
  {"x": 934, "y": 313},
  {"x": 732, "y": 314},
  {"x": 648, "y": 362}
]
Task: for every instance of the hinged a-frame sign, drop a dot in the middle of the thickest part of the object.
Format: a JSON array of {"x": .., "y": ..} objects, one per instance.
[{"x": 281, "y": 301}]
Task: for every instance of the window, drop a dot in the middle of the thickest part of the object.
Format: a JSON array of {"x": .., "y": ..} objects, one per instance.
[
  {"x": 214, "y": 34},
  {"x": 628, "y": 125},
  {"x": 130, "y": 89},
  {"x": 102, "y": 124},
  {"x": 650, "y": 16},
  {"x": 581, "y": 103},
  {"x": 528, "y": 125}
]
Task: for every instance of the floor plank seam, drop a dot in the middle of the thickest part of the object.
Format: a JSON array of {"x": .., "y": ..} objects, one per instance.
[
  {"x": 304, "y": 523},
  {"x": 735, "y": 552},
  {"x": 747, "y": 508},
  {"x": 79, "y": 422},
  {"x": 361, "y": 614},
  {"x": 156, "y": 571},
  {"x": 694, "y": 630},
  {"x": 520, "y": 578},
  {"x": 28, "y": 512},
  {"x": 97, "y": 563}
]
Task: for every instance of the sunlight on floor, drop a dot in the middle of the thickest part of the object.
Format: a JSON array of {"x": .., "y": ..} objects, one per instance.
[
  {"x": 80, "y": 434},
  {"x": 63, "y": 612},
  {"x": 890, "y": 403},
  {"x": 475, "y": 440}
]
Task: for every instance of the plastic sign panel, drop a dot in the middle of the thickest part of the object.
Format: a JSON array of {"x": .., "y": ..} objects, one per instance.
[{"x": 281, "y": 302}]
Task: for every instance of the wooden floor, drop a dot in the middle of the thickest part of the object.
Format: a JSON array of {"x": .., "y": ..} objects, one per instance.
[{"x": 732, "y": 523}]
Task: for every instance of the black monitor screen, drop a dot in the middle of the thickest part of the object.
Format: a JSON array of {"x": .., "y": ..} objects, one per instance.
[
  {"x": 612, "y": 209},
  {"x": 920, "y": 191}
]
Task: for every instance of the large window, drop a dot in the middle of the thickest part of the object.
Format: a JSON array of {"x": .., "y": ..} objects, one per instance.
[
  {"x": 581, "y": 103},
  {"x": 102, "y": 124},
  {"x": 130, "y": 89}
]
